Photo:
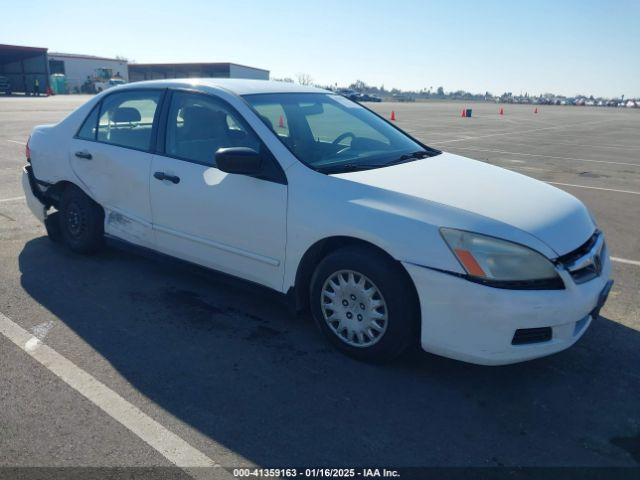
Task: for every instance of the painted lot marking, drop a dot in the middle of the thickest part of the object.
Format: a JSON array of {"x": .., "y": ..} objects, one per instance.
[
  {"x": 16, "y": 141},
  {"x": 165, "y": 442},
  {"x": 547, "y": 156},
  {"x": 630, "y": 148},
  {"x": 499, "y": 134},
  {"x": 595, "y": 188},
  {"x": 624, "y": 260},
  {"x": 12, "y": 199},
  {"x": 530, "y": 169}
]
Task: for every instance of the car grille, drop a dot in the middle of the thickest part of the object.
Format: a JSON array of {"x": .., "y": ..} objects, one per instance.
[{"x": 585, "y": 262}]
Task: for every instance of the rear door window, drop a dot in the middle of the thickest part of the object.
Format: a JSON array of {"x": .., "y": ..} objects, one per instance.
[{"x": 126, "y": 119}]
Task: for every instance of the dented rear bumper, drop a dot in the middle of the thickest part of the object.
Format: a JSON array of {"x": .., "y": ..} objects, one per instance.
[{"x": 35, "y": 197}]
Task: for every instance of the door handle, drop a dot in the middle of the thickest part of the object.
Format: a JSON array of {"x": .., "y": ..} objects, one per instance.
[
  {"x": 163, "y": 176},
  {"x": 84, "y": 154}
]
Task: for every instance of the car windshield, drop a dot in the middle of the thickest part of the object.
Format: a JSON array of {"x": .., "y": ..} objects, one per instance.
[{"x": 333, "y": 134}]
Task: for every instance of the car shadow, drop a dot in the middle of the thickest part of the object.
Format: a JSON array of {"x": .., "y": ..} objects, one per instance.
[{"x": 228, "y": 359}]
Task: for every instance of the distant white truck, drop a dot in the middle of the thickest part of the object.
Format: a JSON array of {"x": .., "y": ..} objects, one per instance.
[{"x": 112, "y": 82}]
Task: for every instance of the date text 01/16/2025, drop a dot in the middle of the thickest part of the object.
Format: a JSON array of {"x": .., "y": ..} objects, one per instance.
[{"x": 316, "y": 473}]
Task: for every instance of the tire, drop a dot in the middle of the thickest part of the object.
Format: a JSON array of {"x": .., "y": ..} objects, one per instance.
[
  {"x": 381, "y": 325},
  {"x": 52, "y": 225},
  {"x": 81, "y": 221}
]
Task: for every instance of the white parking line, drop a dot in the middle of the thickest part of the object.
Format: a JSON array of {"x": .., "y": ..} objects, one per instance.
[
  {"x": 16, "y": 141},
  {"x": 624, "y": 260},
  {"x": 580, "y": 145},
  {"x": 595, "y": 188},
  {"x": 554, "y": 127},
  {"x": 165, "y": 442},
  {"x": 12, "y": 199},
  {"x": 547, "y": 156},
  {"x": 530, "y": 169}
]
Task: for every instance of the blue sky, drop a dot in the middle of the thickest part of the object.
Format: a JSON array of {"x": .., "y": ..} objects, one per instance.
[{"x": 567, "y": 47}]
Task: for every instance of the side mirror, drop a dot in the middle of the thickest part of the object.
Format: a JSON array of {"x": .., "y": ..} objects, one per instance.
[{"x": 239, "y": 160}]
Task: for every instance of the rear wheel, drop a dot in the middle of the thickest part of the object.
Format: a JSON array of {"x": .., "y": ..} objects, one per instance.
[
  {"x": 52, "y": 225},
  {"x": 363, "y": 303},
  {"x": 81, "y": 221}
]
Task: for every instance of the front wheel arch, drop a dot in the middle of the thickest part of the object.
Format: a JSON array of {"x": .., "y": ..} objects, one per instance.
[{"x": 318, "y": 251}]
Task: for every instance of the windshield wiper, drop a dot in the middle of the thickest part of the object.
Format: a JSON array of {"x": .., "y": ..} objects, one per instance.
[
  {"x": 348, "y": 167},
  {"x": 355, "y": 167},
  {"x": 408, "y": 157}
]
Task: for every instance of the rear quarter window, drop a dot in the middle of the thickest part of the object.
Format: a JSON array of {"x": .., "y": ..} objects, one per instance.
[{"x": 88, "y": 129}]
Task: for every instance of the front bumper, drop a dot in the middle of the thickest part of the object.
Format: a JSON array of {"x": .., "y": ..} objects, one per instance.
[{"x": 476, "y": 323}]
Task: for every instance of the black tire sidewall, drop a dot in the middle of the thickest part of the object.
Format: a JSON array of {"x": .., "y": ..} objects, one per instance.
[
  {"x": 92, "y": 216},
  {"x": 394, "y": 285},
  {"x": 52, "y": 226}
]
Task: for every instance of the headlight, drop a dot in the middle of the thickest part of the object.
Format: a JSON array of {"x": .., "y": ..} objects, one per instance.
[{"x": 496, "y": 261}]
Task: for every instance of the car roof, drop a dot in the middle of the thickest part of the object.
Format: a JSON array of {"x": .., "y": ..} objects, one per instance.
[{"x": 234, "y": 85}]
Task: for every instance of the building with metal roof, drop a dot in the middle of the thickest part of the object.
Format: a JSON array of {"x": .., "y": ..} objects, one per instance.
[
  {"x": 158, "y": 71},
  {"x": 23, "y": 67}
]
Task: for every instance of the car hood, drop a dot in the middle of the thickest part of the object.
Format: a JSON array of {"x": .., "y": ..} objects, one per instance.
[{"x": 553, "y": 216}]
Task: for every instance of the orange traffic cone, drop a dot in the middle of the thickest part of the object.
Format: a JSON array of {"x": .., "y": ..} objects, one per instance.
[
  {"x": 281, "y": 122},
  {"x": 393, "y": 115},
  {"x": 501, "y": 110},
  {"x": 464, "y": 113},
  {"x": 536, "y": 110}
]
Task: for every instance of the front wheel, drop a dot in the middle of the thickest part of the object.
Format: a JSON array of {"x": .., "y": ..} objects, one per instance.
[{"x": 364, "y": 304}]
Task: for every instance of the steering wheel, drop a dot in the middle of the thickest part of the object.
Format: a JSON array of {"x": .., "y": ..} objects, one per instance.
[{"x": 343, "y": 136}]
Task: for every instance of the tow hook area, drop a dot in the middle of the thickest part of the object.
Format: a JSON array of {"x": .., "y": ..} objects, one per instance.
[
  {"x": 40, "y": 204},
  {"x": 33, "y": 186},
  {"x": 36, "y": 200}
]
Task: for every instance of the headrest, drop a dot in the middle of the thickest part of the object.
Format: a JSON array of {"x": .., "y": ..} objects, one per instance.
[{"x": 126, "y": 114}]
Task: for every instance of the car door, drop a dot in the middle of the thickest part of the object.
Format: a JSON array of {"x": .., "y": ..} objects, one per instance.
[
  {"x": 111, "y": 157},
  {"x": 232, "y": 223}
]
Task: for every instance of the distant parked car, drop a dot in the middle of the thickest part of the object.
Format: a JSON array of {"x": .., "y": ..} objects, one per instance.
[
  {"x": 5, "y": 86},
  {"x": 112, "y": 82},
  {"x": 386, "y": 240},
  {"x": 365, "y": 97},
  {"x": 350, "y": 94}
]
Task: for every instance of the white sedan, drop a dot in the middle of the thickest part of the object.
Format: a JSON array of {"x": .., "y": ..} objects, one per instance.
[{"x": 386, "y": 240}]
